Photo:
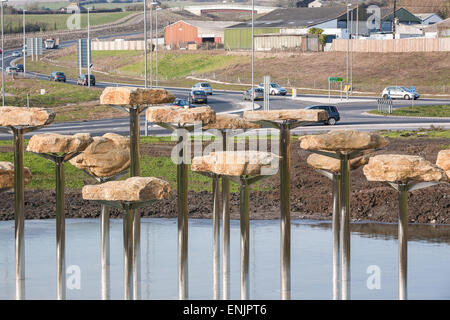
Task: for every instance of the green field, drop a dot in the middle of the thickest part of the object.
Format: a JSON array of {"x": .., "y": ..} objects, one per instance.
[{"x": 420, "y": 111}]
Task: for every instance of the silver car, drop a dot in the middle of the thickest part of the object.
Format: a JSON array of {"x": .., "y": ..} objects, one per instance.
[
  {"x": 257, "y": 95},
  {"x": 398, "y": 92},
  {"x": 205, "y": 86}
]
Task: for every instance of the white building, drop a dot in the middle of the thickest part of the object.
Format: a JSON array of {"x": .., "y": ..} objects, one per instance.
[
  {"x": 428, "y": 18},
  {"x": 316, "y": 4}
]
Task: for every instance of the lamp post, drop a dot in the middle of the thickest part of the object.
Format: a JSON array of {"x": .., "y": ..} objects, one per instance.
[
  {"x": 24, "y": 46},
  {"x": 253, "y": 55},
  {"x": 88, "y": 50},
  {"x": 3, "y": 57},
  {"x": 348, "y": 48},
  {"x": 156, "y": 25},
  {"x": 151, "y": 41}
]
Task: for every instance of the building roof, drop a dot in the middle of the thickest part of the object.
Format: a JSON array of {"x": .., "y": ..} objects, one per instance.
[
  {"x": 387, "y": 14},
  {"x": 441, "y": 25},
  {"x": 424, "y": 16},
  {"x": 210, "y": 25},
  {"x": 295, "y": 17}
]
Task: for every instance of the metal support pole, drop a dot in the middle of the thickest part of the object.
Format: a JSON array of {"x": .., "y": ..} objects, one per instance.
[
  {"x": 60, "y": 230},
  {"x": 335, "y": 226},
  {"x": 105, "y": 230},
  {"x": 136, "y": 248},
  {"x": 225, "y": 230},
  {"x": 127, "y": 254},
  {"x": 345, "y": 227},
  {"x": 145, "y": 44},
  {"x": 253, "y": 55},
  {"x": 151, "y": 44},
  {"x": 245, "y": 239},
  {"x": 134, "y": 142},
  {"x": 156, "y": 47},
  {"x": 285, "y": 222},
  {"x": 348, "y": 48},
  {"x": 182, "y": 206},
  {"x": 402, "y": 241},
  {"x": 24, "y": 46},
  {"x": 19, "y": 212},
  {"x": 216, "y": 237},
  {"x": 88, "y": 49},
  {"x": 3, "y": 61}
]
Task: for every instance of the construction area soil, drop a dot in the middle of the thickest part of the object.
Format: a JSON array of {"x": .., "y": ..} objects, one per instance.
[{"x": 311, "y": 194}]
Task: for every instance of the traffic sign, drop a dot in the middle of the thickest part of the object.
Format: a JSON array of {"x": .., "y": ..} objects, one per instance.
[
  {"x": 413, "y": 89},
  {"x": 33, "y": 46},
  {"x": 335, "y": 79},
  {"x": 82, "y": 53}
]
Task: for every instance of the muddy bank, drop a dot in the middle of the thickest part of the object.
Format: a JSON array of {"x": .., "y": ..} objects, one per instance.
[{"x": 310, "y": 194}]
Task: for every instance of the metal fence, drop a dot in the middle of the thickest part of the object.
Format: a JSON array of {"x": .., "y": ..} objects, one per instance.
[{"x": 384, "y": 105}]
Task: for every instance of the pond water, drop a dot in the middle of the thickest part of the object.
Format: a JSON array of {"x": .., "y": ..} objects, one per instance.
[{"x": 371, "y": 245}]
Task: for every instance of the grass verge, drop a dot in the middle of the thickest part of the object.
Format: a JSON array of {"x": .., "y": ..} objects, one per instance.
[{"x": 419, "y": 111}]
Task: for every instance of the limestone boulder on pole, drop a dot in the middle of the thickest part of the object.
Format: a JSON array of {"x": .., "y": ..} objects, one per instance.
[
  {"x": 131, "y": 189},
  {"x": 130, "y": 96},
  {"x": 443, "y": 161},
  {"x": 288, "y": 114},
  {"x": 172, "y": 114},
  {"x": 343, "y": 140},
  {"x": 7, "y": 175},
  {"x": 22, "y": 116},
  {"x": 106, "y": 156},
  {"x": 318, "y": 161},
  {"x": 231, "y": 121},
  {"x": 53, "y": 142},
  {"x": 402, "y": 169}
]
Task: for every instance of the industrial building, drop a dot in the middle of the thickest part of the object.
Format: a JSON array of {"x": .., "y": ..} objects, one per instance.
[{"x": 183, "y": 32}]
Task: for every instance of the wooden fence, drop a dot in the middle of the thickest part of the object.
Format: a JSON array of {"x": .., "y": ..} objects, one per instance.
[{"x": 394, "y": 45}]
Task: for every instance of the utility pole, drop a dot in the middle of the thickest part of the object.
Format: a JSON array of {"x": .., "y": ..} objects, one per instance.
[
  {"x": 88, "y": 50},
  {"x": 151, "y": 44},
  {"x": 393, "y": 19},
  {"x": 348, "y": 49},
  {"x": 145, "y": 44},
  {"x": 253, "y": 55},
  {"x": 24, "y": 46}
]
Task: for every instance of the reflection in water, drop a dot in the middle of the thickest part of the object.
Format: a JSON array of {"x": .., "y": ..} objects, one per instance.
[{"x": 311, "y": 267}]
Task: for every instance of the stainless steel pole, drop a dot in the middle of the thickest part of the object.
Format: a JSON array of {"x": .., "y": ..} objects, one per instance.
[
  {"x": 345, "y": 227},
  {"x": 253, "y": 55},
  {"x": 182, "y": 206},
  {"x": 225, "y": 230},
  {"x": 105, "y": 230},
  {"x": 351, "y": 54},
  {"x": 156, "y": 48},
  {"x": 285, "y": 216},
  {"x": 136, "y": 248},
  {"x": 127, "y": 254},
  {"x": 24, "y": 46},
  {"x": 19, "y": 212},
  {"x": 151, "y": 44},
  {"x": 60, "y": 230},
  {"x": 348, "y": 48},
  {"x": 89, "y": 50},
  {"x": 335, "y": 230},
  {"x": 403, "y": 242},
  {"x": 245, "y": 239},
  {"x": 145, "y": 44},
  {"x": 216, "y": 237},
  {"x": 3, "y": 61}
]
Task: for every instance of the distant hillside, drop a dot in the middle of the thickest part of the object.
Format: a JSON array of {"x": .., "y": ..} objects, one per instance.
[{"x": 442, "y": 7}]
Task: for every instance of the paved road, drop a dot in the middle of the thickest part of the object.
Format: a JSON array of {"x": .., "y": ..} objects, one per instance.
[{"x": 352, "y": 111}]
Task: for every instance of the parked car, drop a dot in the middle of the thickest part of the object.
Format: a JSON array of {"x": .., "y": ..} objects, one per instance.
[
  {"x": 205, "y": 86},
  {"x": 83, "y": 80},
  {"x": 333, "y": 113},
  {"x": 198, "y": 96},
  {"x": 182, "y": 103},
  {"x": 58, "y": 76},
  {"x": 257, "y": 95},
  {"x": 398, "y": 92},
  {"x": 19, "y": 67},
  {"x": 11, "y": 70},
  {"x": 275, "y": 89},
  {"x": 16, "y": 54}
]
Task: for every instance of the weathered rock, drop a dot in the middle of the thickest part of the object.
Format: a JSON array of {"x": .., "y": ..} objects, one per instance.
[
  {"x": 171, "y": 114},
  {"x": 22, "y": 116},
  {"x": 231, "y": 121},
  {"x": 53, "y": 142},
  {"x": 443, "y": 161},
  {"x": 318, "y": 161},
  {"x": 343, "y": 140},
  {"x": 237, "y": 163},
  {"x": 402, "y": 168},
  {"x": 131, "y": 189},
  {"x": 130, "y": 96},
  {"x": 288, "y": 114},
  {"x": 106, "y": 156},
  {"x": 7, "y": 175}
]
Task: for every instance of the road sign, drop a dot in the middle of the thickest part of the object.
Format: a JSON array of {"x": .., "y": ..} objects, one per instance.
[
  {"x": 82, "y": 53},
  {"x": 33, "y": 46},
  {"x": 413, "y": 89},
  {"x": 335, "y": 79}
]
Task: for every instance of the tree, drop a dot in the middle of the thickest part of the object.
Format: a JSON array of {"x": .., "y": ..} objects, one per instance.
[{"x": 318, "y": 32}]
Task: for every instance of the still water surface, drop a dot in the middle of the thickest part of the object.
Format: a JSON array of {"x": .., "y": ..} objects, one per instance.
[{"x": 371, "y": 244}]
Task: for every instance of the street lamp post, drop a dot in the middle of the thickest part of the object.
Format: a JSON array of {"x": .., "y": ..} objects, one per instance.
[
  {"x": 88, "y": 50},
  {"x": 348, "y": 48},
  {"x": 156, "y": 25},
  {"x": 253, "y": 55},
  {"x": 151, "y": 40},
  {"x": 24, "y": 46},
  {"x": 145, "y": 43},
  {"x": 3, "y": 58}
]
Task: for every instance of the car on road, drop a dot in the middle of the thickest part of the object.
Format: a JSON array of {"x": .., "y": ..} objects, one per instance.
[
  {"x": 258, "y": 94},
  {"x": 58, "y": 76},
  {"x": 198, "y": 96},
  {"x": 399, "y": 92},
  {"x": 16, "y": 54},
  {"x": 11, "y": 70},
  {"x": 83, "y": 80},
  {"x": 19, "y": 67},
  {"x": 205, "y": 86},
  {"x": 182, "y": 103},
  {"x": 333, "y": 113},
  {"x": 275, "y": 89}
]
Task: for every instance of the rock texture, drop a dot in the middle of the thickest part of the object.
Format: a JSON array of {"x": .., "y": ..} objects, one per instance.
[
  {"x": 131, "y": 189},
  {"x": 7, "y": 175},
  {"x": 343, "y": 140},
  {"x": 402, "y": 168},
  {"x": 171, "y": 114},
  {"x": 231, "y": 121},
  {"x": 106, "y": 156},
  {"x": 288, "y": 114},
  {"x": 22, "y": 116},
  {"x": 53, "y": 142},
  {"x": 318, "y": 161},
  {"x": 237, "y": 163},
  {"x": 129, "y": 96},
  {"x": 443, "y": 161}
]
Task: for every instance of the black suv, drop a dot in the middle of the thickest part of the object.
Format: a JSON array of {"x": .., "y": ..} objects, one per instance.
[
  {"x": 19, "y": 67},
  {"x": 333, "y": 113},
  {"x": 83, "y": 80}
]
